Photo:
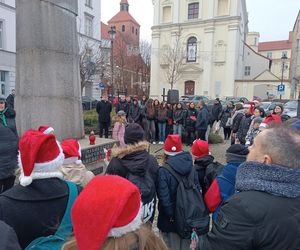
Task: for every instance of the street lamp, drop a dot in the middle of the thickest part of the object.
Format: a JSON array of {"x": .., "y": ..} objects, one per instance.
[
  {"x": 283, "y": 60},
  {"x": 112, "y": 36}
]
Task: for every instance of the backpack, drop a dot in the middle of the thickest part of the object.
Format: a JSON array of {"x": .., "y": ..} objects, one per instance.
[
  {"x": 191, "y": 214},
  {"x": 64, "y": 231},
  {"x": 212, "y": 171}
]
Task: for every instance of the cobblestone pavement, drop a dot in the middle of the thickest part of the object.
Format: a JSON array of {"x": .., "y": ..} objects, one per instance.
[{"x": 217, "y": 150}]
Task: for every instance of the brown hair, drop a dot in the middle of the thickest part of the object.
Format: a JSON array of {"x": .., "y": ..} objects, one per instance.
[
  {"x": 150, "y": 108},
  {"x": 142, "y": 239}
]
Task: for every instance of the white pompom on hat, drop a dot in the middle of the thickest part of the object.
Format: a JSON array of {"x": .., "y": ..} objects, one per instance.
[
  {"x": 173, "y": 145},
  {"x": 46, "y": 129}
]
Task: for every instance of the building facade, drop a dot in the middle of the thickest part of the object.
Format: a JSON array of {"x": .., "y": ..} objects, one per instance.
[
  {"x": 7, "y": 46},
  {"x": 197, "y": 46}
]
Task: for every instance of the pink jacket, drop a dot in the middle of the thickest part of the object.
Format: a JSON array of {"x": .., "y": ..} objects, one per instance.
[{"x": 118, "y": 133}]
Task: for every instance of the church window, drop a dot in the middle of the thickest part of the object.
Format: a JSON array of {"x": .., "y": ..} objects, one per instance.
[
  {"x": 222, "y": 7},
  {"x": 193, "y": 11},
  {"x": 192, "y": 49},
  {"x": 123, "y": 28},
  {"x": 167, "y": 15}
]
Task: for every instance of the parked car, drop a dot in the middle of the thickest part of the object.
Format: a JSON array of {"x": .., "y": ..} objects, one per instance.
[
  {"x": 88, "y": 103},
  {"x": 193, "y": 98},
  {"x": 271, "y": 107},
  {"x": 236, "y": 99},
  {"x": 265, "y": 105},
  {"x": 290, "y": 108}
]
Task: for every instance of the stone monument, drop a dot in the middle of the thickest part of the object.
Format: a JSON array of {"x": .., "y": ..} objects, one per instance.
[{"x": 47, "y": 67}]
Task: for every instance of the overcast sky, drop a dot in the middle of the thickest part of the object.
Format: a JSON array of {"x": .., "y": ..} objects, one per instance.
[{"x": 272, "y": 18}]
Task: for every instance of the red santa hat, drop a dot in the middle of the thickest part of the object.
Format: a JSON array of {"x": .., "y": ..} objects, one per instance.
[
  {"x": 45, "y": 129},
  {"x": 272, "y": 118},
  {"x": 200, "y": 148},
  {"x": 173, "y": 145},
  {"x": 40, "y": 157},
  {"x": 109, "y": 206},
  {"x": 72, "y": 151}
]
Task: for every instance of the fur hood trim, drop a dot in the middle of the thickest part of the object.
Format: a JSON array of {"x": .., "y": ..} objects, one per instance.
[{"x": 120, "y": 152}]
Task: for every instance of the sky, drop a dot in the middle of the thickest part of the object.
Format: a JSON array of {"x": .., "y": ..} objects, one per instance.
[{"x": 273, "y": 19}]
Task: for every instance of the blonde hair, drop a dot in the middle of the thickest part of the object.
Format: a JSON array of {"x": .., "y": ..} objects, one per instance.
[{"x": 141, "y": 239}]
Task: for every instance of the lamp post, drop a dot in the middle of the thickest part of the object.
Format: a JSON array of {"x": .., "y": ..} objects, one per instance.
[
  {"x": 112, "y": 36},
  {"x": 283, "y": 60},
  {"x": 298, "y": 108}
]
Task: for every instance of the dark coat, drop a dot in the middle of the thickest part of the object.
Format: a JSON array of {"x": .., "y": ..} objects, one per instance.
[
  {"x": 225, "y": 115},
  {"x": 162, "y": 115},
  {"x": 189, "y": 123},
  {"x": 103, "y": 109},
  {"x": 35, "y": 210},
  {"x": 167, "y": 185},
  {"x": 8, "y": 238},
  {"x": 123, "y": 105},
  {"x": 178, "y": 116},
  {"x": 10, "y": 101},
  {"x": 8, "y": 145},
  {"x": 201, "y": 166},
  {"x": 237, "y": 120},
  {"x": 243, "y": 128},
  {"x": 202, "y": 119},
  {"x": 134, "y": 113},
  {"x": 216, "y": 111}
]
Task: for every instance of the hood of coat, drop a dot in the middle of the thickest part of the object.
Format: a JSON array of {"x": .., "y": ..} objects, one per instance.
[
  {"x": 134, "y": 157},
  {"x": 204, "y": 161},
  {"x": 182, "y": 163},
  {"x": 10, "y": 113}
]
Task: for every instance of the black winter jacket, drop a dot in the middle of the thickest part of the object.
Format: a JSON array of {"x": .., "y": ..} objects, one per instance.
[
  {"x": 35, "y": 210},
  {"x": 237, "y": 120},
  {"x": 123, "y": 105},
  {"x": 201, "y": 166},
  {"x": 134, "y": 113},
  {"x": 189, "y": 123},
  {"x": 202, "y": 119},
  {"x": 243, "y": 128},
  {"x": 8, "y": 145},
  {"x": 225, "y": 115},
  {"x": 10, "y": 101},
  {"x": 167, "y": 185},
  {"x": 103, "y": 109},
  {"x": 216, "y": 111},
  {"x": 178, "y": 116}
]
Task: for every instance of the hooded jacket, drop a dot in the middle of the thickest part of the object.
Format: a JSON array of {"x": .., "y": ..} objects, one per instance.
[
  {"x": 167, "y": 185},
  {"x": 201, "y": 165},
  {"x": 135, "y": 160},
  {"x": 8, "y": 145}
]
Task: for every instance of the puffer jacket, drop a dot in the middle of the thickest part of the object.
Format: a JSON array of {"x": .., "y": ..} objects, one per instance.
[
  {"x": 167, "y": 185},
  {"x": 8, "y": 145}
]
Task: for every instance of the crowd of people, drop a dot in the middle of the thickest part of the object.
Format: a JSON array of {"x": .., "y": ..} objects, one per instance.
[{"x": 58, "y": 204}]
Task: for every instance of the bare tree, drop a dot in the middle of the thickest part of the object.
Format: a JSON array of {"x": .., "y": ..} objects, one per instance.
[
  {"x": 173, "y": 58},
  {"x": 145, "y": 52},
  {"x": 93, "y": 60}
]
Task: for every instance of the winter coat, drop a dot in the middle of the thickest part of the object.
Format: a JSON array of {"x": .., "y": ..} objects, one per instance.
[
  {"x": 225, "y": 115},
  {"x": 167, "y": 185},
  {"x": 202, "y": 119},
  {"x": 8, "y": 238},
  {"x": 136, "y": 160},
  {"x": 252, "y": 133},
  {"x": 118, "y": 133},
  {"x": 178, "y": 116},
  {"x": 221, "y": 189},
  {"x": 201, "y": 166},
  {"x": 191, "y": 117},
  {"x": 263, "y": 215},
  {"x": 123, "y": 105},
  {"x": 216, "y": 111},
  {"x": 8, "y": 145},
  {"x": 162, "y": 115},
  {"x": 77, "y": 173},
  {"x": 236, "y": 120},
  {"x": 10, "y": 101},
  {"x": 36, "y": 210},
  {"x": 243, "y": 128},
  {"x": 143, "y": 108},
  {"x": 134, "y": 113},
  {"x": 103, "y": 109}
]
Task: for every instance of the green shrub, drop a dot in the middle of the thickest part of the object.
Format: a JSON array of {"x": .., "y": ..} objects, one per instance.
[{"x": 215, "y": 138}]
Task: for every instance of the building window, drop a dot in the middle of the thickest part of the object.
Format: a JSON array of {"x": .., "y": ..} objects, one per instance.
[
  {"x": 1, "y": 35},
  {"x": 123, "y": 28},
  {"x": 247, "y": 70},
  {"x": 136, "y": 32},
  {"x": 132, "y": 30},
  {"x": 284, "y": 53},
  {"x": 89, "y": 25},
  {"x": 222, "y": 7},
  {"x": 192, "y": 49},
  {"x": 255, "y": 41},
  {"x": 88, "y": 3},
  {"x": 269, "y": 55},
  {"x": 193, "y": 11},
  {"x": 2, "y": 82},
  {"x": 167, "y": 17}
]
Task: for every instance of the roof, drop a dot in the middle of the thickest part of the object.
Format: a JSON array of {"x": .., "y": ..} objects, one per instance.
[
  {"x": 123, "y": 16},
  {"x": 104, "y": 31},
  {"x": 274, "y": 45},
  {"x": 256, "y": 52}
]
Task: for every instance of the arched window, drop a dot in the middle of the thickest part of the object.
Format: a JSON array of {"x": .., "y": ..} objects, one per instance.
[
  {"x": 189, "y": 88},
  {"x": 123, "y": 28},
  {"x": 192, "y": 49}
]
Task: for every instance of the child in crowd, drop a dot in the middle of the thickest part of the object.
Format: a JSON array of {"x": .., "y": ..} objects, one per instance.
[
  {"x": 119, "y": 128},
  {"x": 72, "y": 168},
  {"x": 254, "y": 131}
]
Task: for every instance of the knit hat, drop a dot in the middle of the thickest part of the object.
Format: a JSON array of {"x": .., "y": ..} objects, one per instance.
[
  {"x": 40, "y": 157},
  {"x": 72, "y": 151},
  {"x": 270, "y": 119},
  {"x": 200, "y": 149},
  {"x": 236, "y": 153},
  {"x": 109, "y": 206},
  {"x": 45, "y": 129},
  {"x": 2, "y": 98},
  {"x": 133, "y": 133},
  {"x": 121, "y": 113},
  {"x": 257, "y": 120},
  {"x": 173, "y": 145}
]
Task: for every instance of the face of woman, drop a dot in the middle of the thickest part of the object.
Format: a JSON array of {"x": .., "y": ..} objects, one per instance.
[
  {"x": 256, "y": 113},
  {"x": 278, "y": 110},
  {"x": 179, "y": 106},
  {"x": 192, "y": 105},
  {"x": 2, "y": 105}
]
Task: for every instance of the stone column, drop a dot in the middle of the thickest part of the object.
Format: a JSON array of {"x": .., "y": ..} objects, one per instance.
[{"x": 47, "y": 67}]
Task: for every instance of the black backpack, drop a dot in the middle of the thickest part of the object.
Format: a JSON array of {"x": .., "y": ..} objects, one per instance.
[
  {"x": 190, "y": 211},
  {"x": 212, "y": 171}
]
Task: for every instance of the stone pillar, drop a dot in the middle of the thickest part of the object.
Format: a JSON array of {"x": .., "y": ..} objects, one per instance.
[{"x": 47, "y": 67}]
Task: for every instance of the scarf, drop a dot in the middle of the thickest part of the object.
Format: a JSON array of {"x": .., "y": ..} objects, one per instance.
[
  {"x": 270, "y": 178},
  {"x": 3, "y": 117}
]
